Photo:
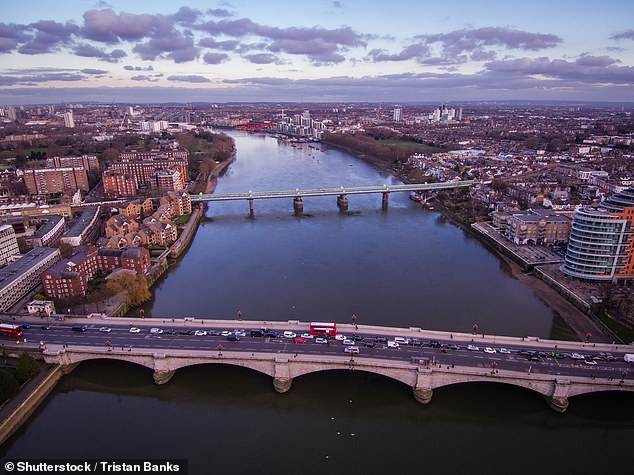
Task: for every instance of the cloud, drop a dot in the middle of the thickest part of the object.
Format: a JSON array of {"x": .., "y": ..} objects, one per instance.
[
  {"x": 48, "y": 37},
  {"x": 139, "y": 68},
  {"x": 106, "y": 26},
  {"x": 226, "y": 45},
  {"x": 220, "y": 12},
  {"x": 178, "y": 47},
  {"x": 460, "y": 46},
  {"x": 96, "y": 72},
  {"x": 624, "y": 35},
  {"x": 186, "y": 15},
  {"x": 262, "y": 58},
  {"x": 89, "y": 51},
  {"x": 188, "y": 78},
  {"x": 143, "y": 77},
  {"x": 215, "y": 58},
  {"x": 11, "y": 35},
  {"x": 320, "y": 45},
  {"x": 586, "y": 69}
]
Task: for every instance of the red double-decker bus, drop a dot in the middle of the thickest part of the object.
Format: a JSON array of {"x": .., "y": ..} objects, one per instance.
[
  {"x": 318, "y": 328},
  {"x": 13, "y": 331}
]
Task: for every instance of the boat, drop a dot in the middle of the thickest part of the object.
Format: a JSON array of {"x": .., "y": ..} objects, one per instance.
[{"x": 415, "y": 196}]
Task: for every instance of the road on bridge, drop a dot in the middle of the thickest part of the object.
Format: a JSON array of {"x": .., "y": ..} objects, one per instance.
[{"x": 517, "y": 357}]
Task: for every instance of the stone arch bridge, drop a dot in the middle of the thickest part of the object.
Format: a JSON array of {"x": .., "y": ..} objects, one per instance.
[{"x": 423, "y": 379}]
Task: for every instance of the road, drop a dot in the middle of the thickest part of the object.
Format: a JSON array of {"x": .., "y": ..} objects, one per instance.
[{"x": 61, "y": 333}]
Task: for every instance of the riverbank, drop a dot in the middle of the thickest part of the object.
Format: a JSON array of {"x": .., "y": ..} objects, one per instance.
[
  {"x": 15, "y": 412},
  {"x": 576, "y": 320}
]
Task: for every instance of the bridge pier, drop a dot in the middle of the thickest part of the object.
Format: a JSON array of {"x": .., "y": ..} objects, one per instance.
[
  {"x": 385, "y": 200},
  {"x": 298, "y": 205},
  {"x": 559, "y": 404},
  {"x": 251, "y": 207},
  {"x": 342, "y": 202},
  {"x": 68, "y": 368},
  {"x": 423, "y": 395},
  {"x": 282, "y": 379},
  {"x": 163, "y": 376},
  {"x": 558, "y": 401}
]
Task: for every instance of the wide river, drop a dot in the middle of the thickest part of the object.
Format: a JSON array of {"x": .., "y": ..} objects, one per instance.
[{"x": 404, "y": 266}]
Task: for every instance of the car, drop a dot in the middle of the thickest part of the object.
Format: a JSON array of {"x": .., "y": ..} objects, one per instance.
[
  {"x": 240, "y": 333},
  {"x": 451, "y": 346},
  {"x": 321, "y": 341},
  {"x": 340, "y": 337},
  {"x": 272, "y": 334},
  {"x": 290, "y": 335},
  {"x": 369, "y": 343},
  {"x": 351, "y": 350},
  {"x": 380, "y": 339},
  {"x": 105, "y": 329},
  {"x": 134, "y": 330},
  {"x": 45, "y": 327},
  {"x": 79, "y": 328},
  {"x": 435, "y": 344},
  {"x": 489, "y": 350},
  {"x": 299, "y": 339},
  {"x": 186, "y": 331},
  {"x": 393, "y": 344},
  {"x": 472, "y": 348},
  {"x": 225, "y": 333},
  {"x": 356, "y": 337},
  {"x": 590, "y": 362},
  {"x": 200, "y": 333},
  {"x": 577, "y": 356},
  {"x": 156, "y": 331},
  {"x": 348, "y": 341},
  {"x": 257, "y": 333},
  {"x": 213, "y": 333},
  {"x": 505, "y": 351},
  {"x": 26, "y": 326},
  {"x": 232, "y": 337},
  {"x": 416, "y": 342},
  {"x": 307, "y": 336},
  {"x": 401, "y": 340}
]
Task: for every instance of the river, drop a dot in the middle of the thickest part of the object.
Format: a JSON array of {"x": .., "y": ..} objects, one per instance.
[{"x": 402, "y": 267}]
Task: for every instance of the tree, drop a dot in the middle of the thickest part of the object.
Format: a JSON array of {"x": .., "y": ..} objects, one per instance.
[
  {"x": 134, "y": 285},
  {"x": 8, "y": 385},
  {"x": 26, "y": 367}
]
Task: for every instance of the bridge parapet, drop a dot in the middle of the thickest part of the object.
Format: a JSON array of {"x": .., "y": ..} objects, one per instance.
[{"x": 283, "y": 369}]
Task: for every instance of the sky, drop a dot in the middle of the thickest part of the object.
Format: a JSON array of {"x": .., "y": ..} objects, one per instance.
[{"x": 315, "y": 51}]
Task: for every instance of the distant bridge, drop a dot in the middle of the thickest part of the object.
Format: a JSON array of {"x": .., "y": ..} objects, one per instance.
[{"x": 342, "y": 193}]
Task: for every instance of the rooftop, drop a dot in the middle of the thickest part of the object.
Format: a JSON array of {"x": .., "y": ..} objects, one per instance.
[{"x": 20, "y": 267}]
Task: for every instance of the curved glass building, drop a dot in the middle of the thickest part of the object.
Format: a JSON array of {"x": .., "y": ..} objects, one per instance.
[{"x": 600, "y": 245}]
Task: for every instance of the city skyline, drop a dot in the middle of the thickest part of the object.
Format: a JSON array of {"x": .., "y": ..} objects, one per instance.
[{"x": 336, "y": 51}]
